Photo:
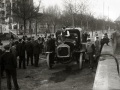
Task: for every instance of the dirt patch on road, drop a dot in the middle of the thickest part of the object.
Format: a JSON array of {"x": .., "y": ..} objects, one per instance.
[{"x": 41, "y": 78}]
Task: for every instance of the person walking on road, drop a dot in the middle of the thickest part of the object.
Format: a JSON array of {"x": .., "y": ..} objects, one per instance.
[
  {"x": 10, "y": 64},
  {"x": 96, "y": 35}
]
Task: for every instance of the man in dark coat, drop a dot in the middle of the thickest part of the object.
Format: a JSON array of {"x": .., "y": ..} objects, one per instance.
[
  {"x": 36, "y": 52},
  {"x": 1, "y": 66},
  {"x": 83, "y": 37},
  {"x": 29, "y": 50},
  {"x": 20, "y": 48},
  {"x": 1, "y": 52},
  {"x": 52, "y": 43},
  {"x": 10, "y": 64}
]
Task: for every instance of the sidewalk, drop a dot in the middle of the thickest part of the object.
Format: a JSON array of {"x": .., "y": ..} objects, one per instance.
[{"x": 107, "y": 75}]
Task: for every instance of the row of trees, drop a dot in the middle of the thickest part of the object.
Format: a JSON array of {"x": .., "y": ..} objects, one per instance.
[{"x": 75, "y": 14}]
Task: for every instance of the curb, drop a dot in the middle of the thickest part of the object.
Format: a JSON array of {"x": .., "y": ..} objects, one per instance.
[{"x": 107, "y": 77}]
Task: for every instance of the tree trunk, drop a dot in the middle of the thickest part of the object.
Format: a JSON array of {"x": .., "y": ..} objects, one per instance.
[
  {"x": 87, "y": 25},
  {"x": 81, "y": 23},
  {"x": 48, "y": 28},
  {"x": 24, "y": 27},
  {"x": 73, "y": 22},
  {"x": 30, "y": 30},
  {"x": 54, "y": 28},
  {"x": 36, "y": 27},
  {"x": 92, "y": 32}
]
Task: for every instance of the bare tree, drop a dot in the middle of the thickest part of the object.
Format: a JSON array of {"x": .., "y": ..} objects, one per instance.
[
  {"x": 70, "y": 8},
  {"x": 53, "y": 14},
  {"x": 76, "y": 7},
  {"x": 25, "y": 11}
]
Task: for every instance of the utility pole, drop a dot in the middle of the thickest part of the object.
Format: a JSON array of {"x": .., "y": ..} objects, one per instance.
[
  {"x": 108, "y": 19},
  {"x": 103, "y": 17},
  {"x": 0, "y": 65},
  {"x": 73, "y": 23}
]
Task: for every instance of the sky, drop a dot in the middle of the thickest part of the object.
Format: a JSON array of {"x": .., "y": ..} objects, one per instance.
[{"x": 99, "y": 8}]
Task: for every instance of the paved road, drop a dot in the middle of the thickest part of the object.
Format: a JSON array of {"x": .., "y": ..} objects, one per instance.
[{"x": 41, "y": 78}]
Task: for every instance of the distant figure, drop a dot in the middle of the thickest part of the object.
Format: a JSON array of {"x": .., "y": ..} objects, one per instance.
[
  {"x": 96, "y": 35},
  {"x": 1, "y": 42},
  {"x": 83, "y": 37},
  {"x": 102, "y": 44},
  {"x": 97, "y": 48},
  {"x": 12, "y": 37}
]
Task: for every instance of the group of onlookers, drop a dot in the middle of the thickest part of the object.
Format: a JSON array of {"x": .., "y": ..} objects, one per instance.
[
  {"x": 26, "y": 49},
  {"x": 93, "y": 49}
]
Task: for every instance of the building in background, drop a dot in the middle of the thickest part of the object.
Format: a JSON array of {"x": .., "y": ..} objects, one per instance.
[
  {"x": 7, "y": 22},
  {"x": 15, "y": 25}
]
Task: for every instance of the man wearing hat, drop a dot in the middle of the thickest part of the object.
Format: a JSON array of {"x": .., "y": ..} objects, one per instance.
[
  {"x": 29, "y": 50},
  {"x": 20, "y": 48},
  {"x": 10, "y": 65},
  {"x": 90, "y": 51},
  {"x": 36, "y": 52}
]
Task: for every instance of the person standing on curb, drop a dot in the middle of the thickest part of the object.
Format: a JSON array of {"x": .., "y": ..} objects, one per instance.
[
  {"x": 90, "y": 50},
  {"x": 10, "y": 64},
  {"x": 97, "y": 48}
]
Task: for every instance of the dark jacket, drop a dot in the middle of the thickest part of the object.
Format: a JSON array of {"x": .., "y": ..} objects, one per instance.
[
  {"x": 90, "y": 48},
  {"x": 29, "y": 47},
  {"x": 20, "y": 48},
  {"x": 8, "y": 61},
  {"x": 36, "y": 48},
  {"x": 51, "y": 45}
]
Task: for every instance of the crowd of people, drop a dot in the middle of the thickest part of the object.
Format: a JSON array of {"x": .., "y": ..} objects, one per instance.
[
  {"x": 28, "y": 50},
  {"x": 21, "y": 53},
  {"x": 93, "y": 49}
]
